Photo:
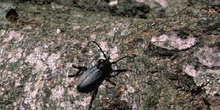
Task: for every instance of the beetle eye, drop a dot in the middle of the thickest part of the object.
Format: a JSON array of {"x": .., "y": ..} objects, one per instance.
[{"x": 101, "y": 60}]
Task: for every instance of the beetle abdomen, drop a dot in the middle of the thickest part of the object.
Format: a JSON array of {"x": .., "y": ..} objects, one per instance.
[{"x": 90, "y": 80}]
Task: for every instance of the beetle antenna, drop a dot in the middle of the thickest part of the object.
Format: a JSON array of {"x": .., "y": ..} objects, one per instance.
[
  {"x": 107, "y": 58},
  {"x": 119, "y": 60}
]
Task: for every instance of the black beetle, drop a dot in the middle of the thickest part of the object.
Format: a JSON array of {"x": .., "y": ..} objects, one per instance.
[{"x": 93, "y": 77}]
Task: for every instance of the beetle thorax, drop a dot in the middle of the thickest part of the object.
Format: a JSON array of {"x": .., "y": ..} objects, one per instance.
[{"x": 104, "y": 65}]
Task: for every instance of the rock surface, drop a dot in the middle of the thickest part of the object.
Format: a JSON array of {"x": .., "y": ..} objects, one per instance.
[{"x": 38, "y": 49}]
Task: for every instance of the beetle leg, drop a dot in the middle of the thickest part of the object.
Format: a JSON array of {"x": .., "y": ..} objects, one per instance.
[
  {"x": 118, "y": 72},
  {"x": 113, "y": 75},
  {"x": 93, "y": 97},
  {"x": 80, "y": 68},
  {"x": 108, "y": 79}
]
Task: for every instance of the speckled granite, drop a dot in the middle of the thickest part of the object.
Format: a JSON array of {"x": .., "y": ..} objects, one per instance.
[{"x": 38, "y": 49}]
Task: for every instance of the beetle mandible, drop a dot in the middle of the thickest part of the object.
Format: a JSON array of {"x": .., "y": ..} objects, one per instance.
[{"x": 93, "y": 77}]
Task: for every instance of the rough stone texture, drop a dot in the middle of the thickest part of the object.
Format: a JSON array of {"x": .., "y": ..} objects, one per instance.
[
  {"x": 38, "y": 50},
  {"x": 174, "y": 40}
]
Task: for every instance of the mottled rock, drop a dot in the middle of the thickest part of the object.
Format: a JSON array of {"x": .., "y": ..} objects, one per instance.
[
  {"x": 209, "y": 80},
  {"x": 38, "y": 51},
  {"x": 5, "y": 7},
  {"x": 130, "y": 9},
  {"x": 174, "y": 40},
  {"x": 209, "y": 56},
  {"x": 206, "y": 77}
]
